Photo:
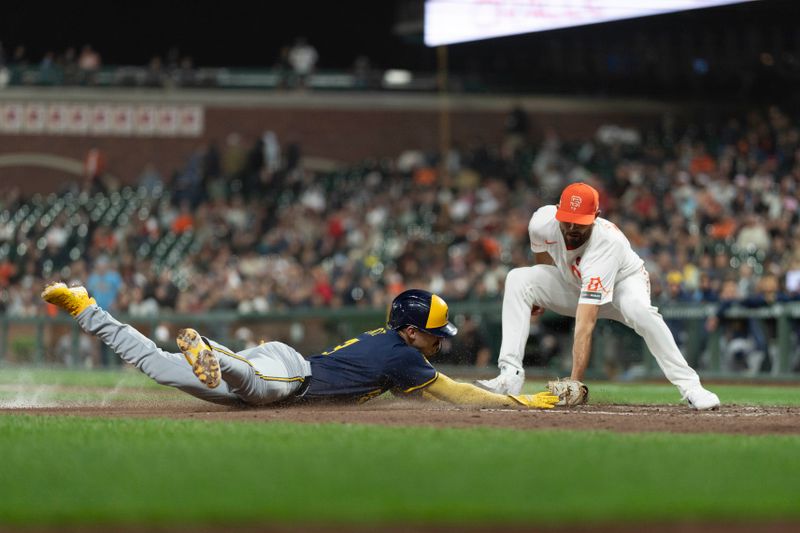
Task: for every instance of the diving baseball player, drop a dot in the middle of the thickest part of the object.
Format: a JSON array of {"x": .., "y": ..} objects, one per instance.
[
  {"x": 585, "y": 268},
  {"x": 388, "y": 358}
]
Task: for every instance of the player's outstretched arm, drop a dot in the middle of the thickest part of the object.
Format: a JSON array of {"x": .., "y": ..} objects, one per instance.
[
  {"x": 447, "y": 390},
  {"x": 585, "y": 320}
]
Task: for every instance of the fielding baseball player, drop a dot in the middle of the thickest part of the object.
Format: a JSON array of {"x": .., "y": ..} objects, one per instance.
[
  {"x": 585, "y": 268},
  {"x": 388, "y": 358}
]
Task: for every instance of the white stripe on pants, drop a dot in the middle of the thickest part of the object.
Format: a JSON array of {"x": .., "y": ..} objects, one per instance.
[{"x": 544, "y": 286}]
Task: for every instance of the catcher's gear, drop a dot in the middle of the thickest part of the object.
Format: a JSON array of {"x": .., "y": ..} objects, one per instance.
[
  {"x": 540, "y": 400},
  {"x": 570, "y": 392},
  {"x": 423, "y": 310}
]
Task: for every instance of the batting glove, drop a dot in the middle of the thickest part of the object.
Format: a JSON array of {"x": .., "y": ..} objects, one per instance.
[{"x": 540, "y": 400}]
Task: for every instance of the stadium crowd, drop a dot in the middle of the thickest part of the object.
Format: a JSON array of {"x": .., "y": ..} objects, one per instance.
[
  {"x": 295, "y": 62},
  {"x": 712, "y": 208}
]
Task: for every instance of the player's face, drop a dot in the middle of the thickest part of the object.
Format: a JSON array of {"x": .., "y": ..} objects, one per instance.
[
  {"x": 424, "y": 342},
  {"x": 575, "y": 234}
]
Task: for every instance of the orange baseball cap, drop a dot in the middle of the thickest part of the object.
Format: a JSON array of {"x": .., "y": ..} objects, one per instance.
[{"x": 579, "y": 204}]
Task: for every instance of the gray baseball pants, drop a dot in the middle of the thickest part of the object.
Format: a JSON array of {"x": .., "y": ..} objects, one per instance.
[{"x": 268, "y": 373}]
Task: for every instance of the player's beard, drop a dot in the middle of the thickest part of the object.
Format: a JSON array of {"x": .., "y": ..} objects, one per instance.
[{"x": 574, "y": 240}]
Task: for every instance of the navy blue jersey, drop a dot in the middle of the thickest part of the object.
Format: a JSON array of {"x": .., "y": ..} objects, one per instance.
[{"x": 368, "y": 365}]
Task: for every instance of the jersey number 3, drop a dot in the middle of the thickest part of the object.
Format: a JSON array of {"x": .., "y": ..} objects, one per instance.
[{"x": 345, "y": 344}]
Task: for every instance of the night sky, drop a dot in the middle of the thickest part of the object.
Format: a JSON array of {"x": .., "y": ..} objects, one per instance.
[
  {"x": 220, "y": 33},
  {"x": 240, "y": 33}
]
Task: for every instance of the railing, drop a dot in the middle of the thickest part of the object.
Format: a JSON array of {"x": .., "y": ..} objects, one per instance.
[
  {"x": 224, "y": 78},
  {"x": 58, "y": 340}
]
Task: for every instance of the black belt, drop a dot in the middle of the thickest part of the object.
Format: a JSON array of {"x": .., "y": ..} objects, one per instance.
[{"x": 301, "y": 390}]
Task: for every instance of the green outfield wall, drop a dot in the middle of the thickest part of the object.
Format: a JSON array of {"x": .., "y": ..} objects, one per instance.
[{"x": 618, "y": 353}]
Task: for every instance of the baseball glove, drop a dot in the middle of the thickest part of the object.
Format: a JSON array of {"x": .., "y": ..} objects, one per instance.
[{"x": 570, "y": 392}]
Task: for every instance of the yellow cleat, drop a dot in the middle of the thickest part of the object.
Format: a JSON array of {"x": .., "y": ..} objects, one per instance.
[
  {"x": 73, "y": 300},
  {"x": 204, "y": 363}
]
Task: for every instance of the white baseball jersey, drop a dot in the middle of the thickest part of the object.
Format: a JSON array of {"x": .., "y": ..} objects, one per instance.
[{"x": 594, "y": 267}]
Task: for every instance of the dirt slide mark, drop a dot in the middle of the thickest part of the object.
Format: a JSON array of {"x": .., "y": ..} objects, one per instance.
[{"x": 730, "y": 419}]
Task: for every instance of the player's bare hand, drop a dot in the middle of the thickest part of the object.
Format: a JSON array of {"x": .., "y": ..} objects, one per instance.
[
  {"x": 540, "y": 400},
  {"x": 537, "y": 311}
]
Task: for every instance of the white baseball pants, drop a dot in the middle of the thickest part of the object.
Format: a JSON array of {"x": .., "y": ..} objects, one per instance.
[
  {"x": 265, "y": 374},
  {"x": 544, "y": 286}
]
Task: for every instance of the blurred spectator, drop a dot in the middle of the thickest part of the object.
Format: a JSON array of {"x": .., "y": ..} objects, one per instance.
[
  {"x": 234, "y": 156},
  {"x": 272, "y": 152},
  {"x": 88, "y": 64},
  {"x": 104, "y": 283},
  {"x": 516, "y": 131},
  {"x": 303, "y": 60},
  {"x": 738, "y": 344},
  {"x": 268, "y": 233},
  {"x": 48, "y": 74},
  {"x": 760, "y": 356},
  {"x": 155, "y": 75},
  {"x": 94, "y": 167},
  {"x": 674, "y": 293},
  {"x": 282, "y": 68},
  {"x": 87, "y": 352},
  {"x": 753, "y": 235},
  {"x": 68, "y": 62},
  {"x": 362, "y": 71},
  {"x": 20, "y": 56},
  {"x": 185, "y": 219},
  {"x": 151, "y": 179},
  {"x": 184, "y": 74},
  {"x": 139, "y": 306}
]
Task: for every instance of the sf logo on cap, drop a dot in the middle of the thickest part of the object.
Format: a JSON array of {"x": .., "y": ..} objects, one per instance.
[{"x": 575, "y": 202}]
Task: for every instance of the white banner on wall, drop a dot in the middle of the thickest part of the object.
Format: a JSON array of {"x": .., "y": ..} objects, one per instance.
[
  {"x": 144, "y": 121},
  {"x": 56, "y": 121},
  {"x": 191, "y": 121},
  {"x": 35, "y": 118},
  {"x": 11, "y": 118},
  {"x": 102, "y": 119},
  {"x": 122, "y": 120},
  {"x": 167, "y": 121},
  {"x": 78, "y": 119}
]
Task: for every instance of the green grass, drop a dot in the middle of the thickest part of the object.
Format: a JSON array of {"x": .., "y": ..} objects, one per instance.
[
  {"x": 72, "y": 470},
  {"x": 128, "y": 377},
  {"x": 59, "y": 470},
  {"x": 646, "y": 393}
]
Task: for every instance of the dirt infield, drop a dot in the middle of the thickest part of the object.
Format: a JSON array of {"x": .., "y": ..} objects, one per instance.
[{"x": 730, "y": 419}]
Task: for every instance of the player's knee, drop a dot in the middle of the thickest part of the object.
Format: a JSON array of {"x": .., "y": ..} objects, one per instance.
[
  {"x": 639, "y": 312},
  {"x": 518, "y": 278}
]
